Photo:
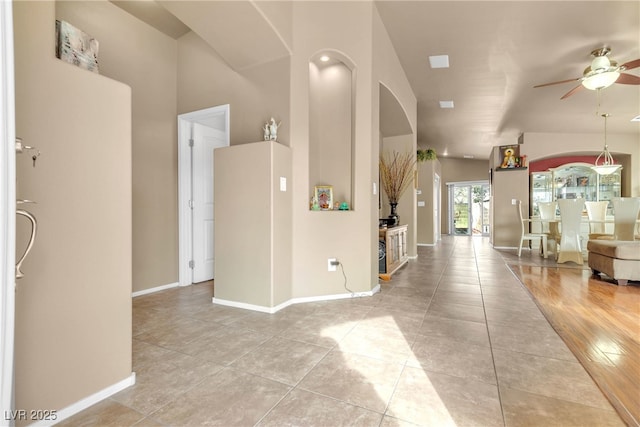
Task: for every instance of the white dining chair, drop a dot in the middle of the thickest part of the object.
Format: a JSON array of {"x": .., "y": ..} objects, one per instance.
[
  {"x": 549, "y": 225},
  {"x": 570, "y": 218},
  {"x": 625, "y": 215},
  {"x": 526, "y": 236},
  {"x": 597, "y": 213}
]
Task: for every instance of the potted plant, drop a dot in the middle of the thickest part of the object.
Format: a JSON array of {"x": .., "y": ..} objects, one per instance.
[
  {"x": 396, "y": 174},
  {"x": 424, "y": 155}
]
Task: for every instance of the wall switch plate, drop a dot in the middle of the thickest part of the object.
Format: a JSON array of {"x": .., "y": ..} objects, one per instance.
[
  {"x": 421, "y": 204},
  {"x": 283, "y": 183},
  {"x": 514, "y": 202},
  {"x": 332, "y": 264}
]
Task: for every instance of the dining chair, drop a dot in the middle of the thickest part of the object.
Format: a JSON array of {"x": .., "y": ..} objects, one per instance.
[
  {"x": 549, "y": 225},
  {"x": 570, "y": 218},
  {"x": 625, "y": 216},
  {"x": 526, "y": 236},
  {"x": 597, "y": 213}
]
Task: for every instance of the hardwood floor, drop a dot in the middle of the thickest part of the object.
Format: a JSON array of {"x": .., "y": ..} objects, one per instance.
[{"x": 600, "y": 322}]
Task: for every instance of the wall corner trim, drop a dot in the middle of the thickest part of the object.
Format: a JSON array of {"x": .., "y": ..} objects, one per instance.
[
  {"x": 292, "y": 301},
  {"x": 156, "y": 289},
  {"x": 88, "y": 401}
]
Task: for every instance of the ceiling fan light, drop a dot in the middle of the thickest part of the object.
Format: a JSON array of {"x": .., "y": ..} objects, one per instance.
[
  {"x": 600, "y": 63},
  {"x": 600, "y": 80}
]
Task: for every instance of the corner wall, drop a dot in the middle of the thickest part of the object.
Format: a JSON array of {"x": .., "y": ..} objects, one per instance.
[
  {"x": 73, "y": 307},
  {"x": 140, "y": 56}
]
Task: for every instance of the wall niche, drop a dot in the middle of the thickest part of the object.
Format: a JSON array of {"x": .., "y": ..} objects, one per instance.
[{"x": 331, "y": 125}]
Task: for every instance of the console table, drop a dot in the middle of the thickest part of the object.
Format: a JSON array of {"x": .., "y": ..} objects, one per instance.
[{"x": 395, "y": 250}]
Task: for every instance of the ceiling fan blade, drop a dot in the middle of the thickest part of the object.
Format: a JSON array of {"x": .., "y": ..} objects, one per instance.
[
  {"x": 557, "y": 83},
  {"x": 628, "y": 79},
  {"x": 572, "y": 91},
  {"x": 631, "y": 64}
]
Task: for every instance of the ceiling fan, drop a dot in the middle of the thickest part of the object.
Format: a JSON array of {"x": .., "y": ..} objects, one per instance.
[{"x": 602, "y": 73}]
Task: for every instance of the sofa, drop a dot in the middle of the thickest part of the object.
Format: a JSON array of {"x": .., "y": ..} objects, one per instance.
[{"x": 618, "y": 259}]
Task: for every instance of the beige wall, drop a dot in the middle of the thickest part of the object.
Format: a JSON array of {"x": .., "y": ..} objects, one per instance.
[
  {"x": 507, "y": 185},
  {"x": 254, "y": 96},
  {"x": 388, "y": 71},
  {"x": 73, "y": 307},
  {"x": 253, "y": 218},
  {"x": 426, "y": 218},
  {"x": 145, "y": 59},
  {"x": 330, "y": 129},
  {"x": 459, "y": 170}
]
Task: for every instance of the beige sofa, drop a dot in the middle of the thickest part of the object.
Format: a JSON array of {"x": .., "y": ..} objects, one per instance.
[{"x": 618, "y": 259}]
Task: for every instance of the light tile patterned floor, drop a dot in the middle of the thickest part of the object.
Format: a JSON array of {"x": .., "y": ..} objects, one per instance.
[{"x": 452, "y": 340}]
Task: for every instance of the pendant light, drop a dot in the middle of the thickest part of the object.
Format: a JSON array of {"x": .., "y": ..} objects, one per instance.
[{"x": 607, "y": 165}]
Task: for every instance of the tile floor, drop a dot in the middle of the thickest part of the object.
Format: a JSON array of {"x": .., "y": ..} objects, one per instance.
[{"x": 452, "y": 340}]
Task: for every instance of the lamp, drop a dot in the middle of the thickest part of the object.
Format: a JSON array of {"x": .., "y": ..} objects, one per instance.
[
  {"x": 607, "y": 167},
  {"x": 602, "y": 73}
]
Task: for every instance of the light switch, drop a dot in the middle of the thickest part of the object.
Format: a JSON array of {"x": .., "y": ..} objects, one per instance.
[
  {"x": 283, "y": 183},
  {"x": 421, "y": 204}
]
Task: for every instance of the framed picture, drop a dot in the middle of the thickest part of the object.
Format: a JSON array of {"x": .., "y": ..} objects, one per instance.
[
  {"x": 510, "y": 156},
  {"x": 76, "y": 47},
  {"x": 324, "y": 196},
  {"x": 582, "y": 181}
]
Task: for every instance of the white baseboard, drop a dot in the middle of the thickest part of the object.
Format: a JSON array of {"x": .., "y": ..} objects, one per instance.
[
  {"x": 505, "y": 247},
  {"x": 156, "y": 289},
  {"x": 88, "y": 401},
  {"x": 271, "y": 310},
  {"x": 427, "y": 244}
]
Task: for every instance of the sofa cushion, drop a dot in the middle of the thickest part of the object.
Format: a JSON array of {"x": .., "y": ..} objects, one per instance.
[{"x": 620, "y": 249}]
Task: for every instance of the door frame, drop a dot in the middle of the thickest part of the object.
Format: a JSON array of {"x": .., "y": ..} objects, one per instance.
[
  {"x": 450, "y": 203},
  {"x": 185, "y": 167},
  {"x": 7, "y": 208}
]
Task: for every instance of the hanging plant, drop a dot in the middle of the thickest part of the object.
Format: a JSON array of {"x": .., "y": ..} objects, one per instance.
[{"x": 424, "y": 155}]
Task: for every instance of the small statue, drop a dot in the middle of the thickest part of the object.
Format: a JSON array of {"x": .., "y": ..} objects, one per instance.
[
  {"x": 265, "y": 129},
  {"x": 273, "y": 130}
]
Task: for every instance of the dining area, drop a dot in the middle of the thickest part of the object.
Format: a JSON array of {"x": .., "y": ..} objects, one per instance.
[{"x": 604, "y": 233}]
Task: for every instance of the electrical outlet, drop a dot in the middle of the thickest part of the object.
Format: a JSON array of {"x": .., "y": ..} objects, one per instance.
[{"x": 332, "y": 264}]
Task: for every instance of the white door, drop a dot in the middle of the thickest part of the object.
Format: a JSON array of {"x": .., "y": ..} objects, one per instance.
[{"x": 205, "y": 141}]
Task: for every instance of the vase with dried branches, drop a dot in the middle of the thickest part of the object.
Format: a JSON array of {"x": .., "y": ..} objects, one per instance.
[{"x": 396, "y": 174}]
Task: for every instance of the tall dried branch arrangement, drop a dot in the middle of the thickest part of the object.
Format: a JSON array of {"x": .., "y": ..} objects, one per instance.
[{"x": 396, "y": 173}]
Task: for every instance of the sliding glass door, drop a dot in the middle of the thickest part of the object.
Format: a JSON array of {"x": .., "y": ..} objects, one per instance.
[{"x": 469, "y": 208}]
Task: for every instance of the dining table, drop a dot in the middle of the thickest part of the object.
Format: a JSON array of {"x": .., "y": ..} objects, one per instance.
[{"x": 554, "y": 225}]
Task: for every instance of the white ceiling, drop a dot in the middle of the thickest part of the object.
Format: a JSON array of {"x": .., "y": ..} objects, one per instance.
[{"x": 497, "y": 52}]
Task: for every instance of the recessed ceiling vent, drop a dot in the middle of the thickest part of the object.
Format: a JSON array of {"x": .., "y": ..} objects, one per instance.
[{"x": 439, "y": 61}]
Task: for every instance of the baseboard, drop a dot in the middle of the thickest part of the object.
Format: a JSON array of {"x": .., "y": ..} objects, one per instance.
[
  {"x": 153, "y": 290},
  {"x": 502, "y": 248},
  {"x": 275, "y": 309},
  {"x": 427, "y": 244},
  {"x": 88, "y": 401}
]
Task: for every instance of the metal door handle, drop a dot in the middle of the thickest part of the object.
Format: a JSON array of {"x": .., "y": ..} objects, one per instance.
[{"x": 32, "y": 239}]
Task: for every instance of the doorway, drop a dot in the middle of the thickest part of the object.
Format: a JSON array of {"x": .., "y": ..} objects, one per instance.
[
  {"x": 199, "y": 134},
  {"x": 469, "y": 208}
]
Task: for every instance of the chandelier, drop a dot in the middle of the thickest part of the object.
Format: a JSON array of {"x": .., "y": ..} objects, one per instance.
[{"x": 606, "y": 165}]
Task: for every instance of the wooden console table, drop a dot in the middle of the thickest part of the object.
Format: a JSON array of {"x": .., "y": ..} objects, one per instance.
[{"x": 395, "y": 240}]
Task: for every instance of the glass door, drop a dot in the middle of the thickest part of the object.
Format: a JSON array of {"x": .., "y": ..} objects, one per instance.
[{"x": 469, "y": 209}]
